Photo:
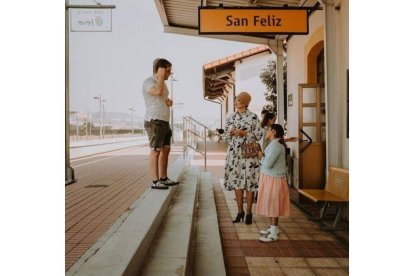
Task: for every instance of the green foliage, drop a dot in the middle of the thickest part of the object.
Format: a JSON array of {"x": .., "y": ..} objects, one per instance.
[{"x": 269, "y": 78}]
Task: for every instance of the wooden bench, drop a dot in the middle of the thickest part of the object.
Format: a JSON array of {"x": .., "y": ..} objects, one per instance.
[{"x": 336, "y": 192}]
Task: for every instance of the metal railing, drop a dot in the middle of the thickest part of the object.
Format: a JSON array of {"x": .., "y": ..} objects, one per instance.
[{"x": 194, "y": 134}]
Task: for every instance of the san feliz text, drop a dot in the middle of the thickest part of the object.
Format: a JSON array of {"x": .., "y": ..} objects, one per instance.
[{"x": 269, "y": 21}]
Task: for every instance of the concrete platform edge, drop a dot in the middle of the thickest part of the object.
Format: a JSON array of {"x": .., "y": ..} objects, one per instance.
[
  {"x": 171, "y": 252},
  {"x": 209, "y": 259}
]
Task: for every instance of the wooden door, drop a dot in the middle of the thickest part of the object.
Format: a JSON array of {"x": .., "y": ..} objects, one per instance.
[{"x": 312, "y": 145}]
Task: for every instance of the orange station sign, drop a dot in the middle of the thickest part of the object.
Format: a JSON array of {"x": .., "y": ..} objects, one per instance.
[{"x": 225, "y": 20}]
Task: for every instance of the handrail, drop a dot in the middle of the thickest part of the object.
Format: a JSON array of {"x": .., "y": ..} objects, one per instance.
[
  {"x": 191, "y": 136},
  {"x": 309, "y": 141}
]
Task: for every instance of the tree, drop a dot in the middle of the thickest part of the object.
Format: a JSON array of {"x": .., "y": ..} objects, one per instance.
[{"x": 268, "y": 76}]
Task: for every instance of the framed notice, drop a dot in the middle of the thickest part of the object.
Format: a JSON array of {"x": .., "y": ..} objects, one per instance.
[
  {"x": 290, "y": 99},
  {"x": 91, "y": 20}
]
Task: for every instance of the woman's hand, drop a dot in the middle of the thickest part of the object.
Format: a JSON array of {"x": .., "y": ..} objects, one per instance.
[
  {"x": 261, "y": 154},
  {"x": 240, "y": 132},
  {"x": 292, "y": 139}
]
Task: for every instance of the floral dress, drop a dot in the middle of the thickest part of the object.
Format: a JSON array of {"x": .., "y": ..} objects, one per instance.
[{"x": 240, "y": 172}]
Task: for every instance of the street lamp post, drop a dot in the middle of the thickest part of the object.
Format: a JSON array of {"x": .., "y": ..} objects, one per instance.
[
  {"x": 77, "y": 125},
  {"x": 172, "y": 80},
  {"x": 77, "y": 122},
  {"x": 132, "y": 111},
  {"x": 100, "y": 113},
  {"x": 104, "y": 117}
]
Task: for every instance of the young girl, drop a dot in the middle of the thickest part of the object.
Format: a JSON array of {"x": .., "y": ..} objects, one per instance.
[
  {"x": 273, "y": 200},
  {"x": 268, "y": 120}
]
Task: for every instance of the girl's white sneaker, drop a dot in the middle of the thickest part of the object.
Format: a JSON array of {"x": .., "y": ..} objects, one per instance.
[
  {"x": 268, "y": 238},
  {"x": 265, "y": 232}
]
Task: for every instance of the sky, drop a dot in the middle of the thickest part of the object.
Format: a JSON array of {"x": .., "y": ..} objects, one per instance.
[{"x": 114, "y": 64}]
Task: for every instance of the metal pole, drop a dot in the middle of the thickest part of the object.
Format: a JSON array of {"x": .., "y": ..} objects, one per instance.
[
  {"x": 132, "y": 110},
  {"x": 205, "y": 149},
  {"x": 332, "y": 95},
  {"x": 280, "y": 87},
  {"x": 69, "y": 172},
  {"x": 221, "y": 115},
  {"x": 77, "y": 125},
  {"x": 104, "y": 117},
  {"x": 100, "y": 114},
  {"x": 184, "y": 139},
  {"x": 86, "y": 123},
  {"x": 90, "y": 124},
  {"x": 172, "y": 109}
]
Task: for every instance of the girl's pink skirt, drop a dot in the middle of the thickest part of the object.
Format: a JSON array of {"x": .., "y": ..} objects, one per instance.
[{"x": 273, "y": 199}]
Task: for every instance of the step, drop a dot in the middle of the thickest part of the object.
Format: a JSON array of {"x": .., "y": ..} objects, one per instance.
[
  {"x": 208, "y": 258},
  {"x": 122, "y": 249},
  {"x": 171, "y": 250}
]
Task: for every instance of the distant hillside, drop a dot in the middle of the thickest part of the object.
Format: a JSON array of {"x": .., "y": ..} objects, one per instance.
[
  {"x": 114, "y": 119},
  {"x": 120, "y": 120}
]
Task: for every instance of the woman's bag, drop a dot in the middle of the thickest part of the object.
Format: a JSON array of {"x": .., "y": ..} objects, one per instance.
[{"x": 250, "y": 149}]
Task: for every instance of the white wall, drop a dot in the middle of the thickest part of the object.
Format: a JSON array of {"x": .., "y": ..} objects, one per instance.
[
  {"x": 248, "y": 80},
  {"x": 297, "y": 50}
]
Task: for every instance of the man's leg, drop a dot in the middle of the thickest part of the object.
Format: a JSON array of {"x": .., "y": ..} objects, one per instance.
[
  {"x": 154, "y": 160},
  {"x": 154, "y": 155},
  {"x": 163, "y": 162},
  {"x": 165, "y": 152}
]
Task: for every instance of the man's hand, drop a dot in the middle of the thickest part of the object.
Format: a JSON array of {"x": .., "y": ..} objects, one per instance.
[
  {"x": 161, "y": 74},
  {"x": 169, "y": 102}
]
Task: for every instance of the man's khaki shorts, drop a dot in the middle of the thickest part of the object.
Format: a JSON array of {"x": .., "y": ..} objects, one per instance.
[{"x": 159, "y": 134}]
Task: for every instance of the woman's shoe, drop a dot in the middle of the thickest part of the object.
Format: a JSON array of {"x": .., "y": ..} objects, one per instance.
[
  {"x": 249, "y": 218},
  {"x": 240, "y": 216}
]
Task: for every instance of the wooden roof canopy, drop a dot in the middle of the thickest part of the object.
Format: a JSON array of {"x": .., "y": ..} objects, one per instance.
[{"x": 219, "y": 75}]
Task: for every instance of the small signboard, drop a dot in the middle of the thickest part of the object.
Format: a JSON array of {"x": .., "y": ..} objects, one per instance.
[
  {"x": 252, "y": 20},
  {"x": 91, "y": 20}
]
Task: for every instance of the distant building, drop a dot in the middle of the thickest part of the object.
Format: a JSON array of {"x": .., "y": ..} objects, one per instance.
[{"x": 224, "y": 78}]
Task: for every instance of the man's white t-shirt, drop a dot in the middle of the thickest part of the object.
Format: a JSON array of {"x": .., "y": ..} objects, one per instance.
[{"x": 157, "y": 108}]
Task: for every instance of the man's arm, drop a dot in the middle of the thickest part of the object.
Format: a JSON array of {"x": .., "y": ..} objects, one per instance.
[{"x": 158, "y": 88}]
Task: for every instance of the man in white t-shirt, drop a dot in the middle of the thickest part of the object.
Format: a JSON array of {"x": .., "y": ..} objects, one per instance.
[{"x": 156, "y": 122}]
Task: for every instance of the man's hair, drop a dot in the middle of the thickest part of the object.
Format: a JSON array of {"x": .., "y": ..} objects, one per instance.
[{"x": 160, "y": 62}]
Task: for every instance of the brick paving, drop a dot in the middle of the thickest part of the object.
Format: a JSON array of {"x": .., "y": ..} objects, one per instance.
[
  {"x": 108, "y": 184},
  {"x": 302, "y": 248}
]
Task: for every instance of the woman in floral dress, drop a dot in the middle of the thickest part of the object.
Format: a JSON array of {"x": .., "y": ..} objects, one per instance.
[{"x": 242, "y": 174}]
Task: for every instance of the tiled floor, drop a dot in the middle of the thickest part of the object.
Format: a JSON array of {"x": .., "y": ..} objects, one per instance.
[{"x": 302, "y": 248}]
